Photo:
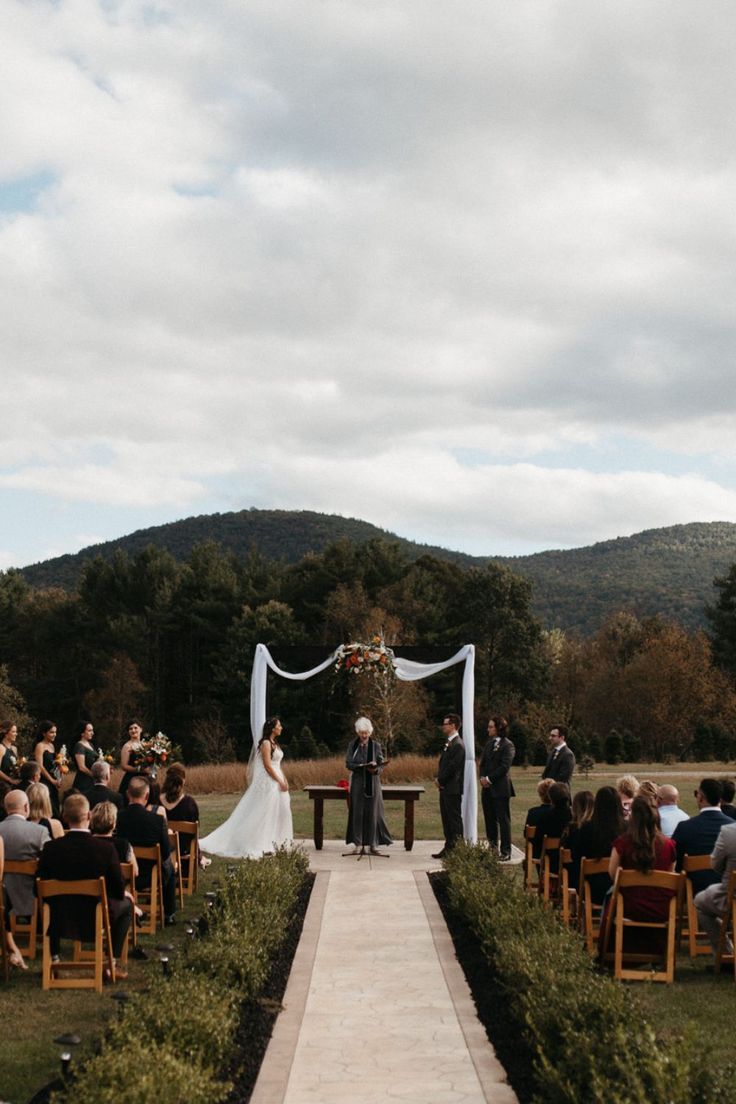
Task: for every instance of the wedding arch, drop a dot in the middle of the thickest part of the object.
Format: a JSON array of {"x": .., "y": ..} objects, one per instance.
[{"x": 408, "y": 671}]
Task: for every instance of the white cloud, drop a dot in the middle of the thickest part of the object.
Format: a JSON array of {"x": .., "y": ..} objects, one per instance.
[{"x": 281, "y": 237}]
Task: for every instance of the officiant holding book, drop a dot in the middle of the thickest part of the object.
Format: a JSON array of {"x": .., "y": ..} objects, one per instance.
[{"x": 365, "y": 760}]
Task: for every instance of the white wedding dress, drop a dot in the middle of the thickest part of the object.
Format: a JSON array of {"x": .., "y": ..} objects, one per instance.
[{"x": 260, "y": 822}]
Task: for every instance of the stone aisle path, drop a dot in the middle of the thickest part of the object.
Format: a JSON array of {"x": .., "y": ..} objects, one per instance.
[{"x": 377, "y": 1006}]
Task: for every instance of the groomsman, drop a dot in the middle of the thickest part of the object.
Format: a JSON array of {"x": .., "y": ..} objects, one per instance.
[
  {"x": 561, "y": 761},
  {"x": 449, "y": 781},
  {"x": 497, "y": 789}
]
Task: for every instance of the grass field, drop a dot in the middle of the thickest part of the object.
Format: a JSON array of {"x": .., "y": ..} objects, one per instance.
[{"x": 29, "y": 1058}]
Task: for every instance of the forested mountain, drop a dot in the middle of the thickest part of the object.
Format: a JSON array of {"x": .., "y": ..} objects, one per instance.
[{"x": 660, "y": 571}]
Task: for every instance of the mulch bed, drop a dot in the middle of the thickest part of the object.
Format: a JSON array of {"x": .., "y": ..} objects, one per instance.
[
  {"x": 259, "y": 1015},
  {"x": 489, "y": 997}
]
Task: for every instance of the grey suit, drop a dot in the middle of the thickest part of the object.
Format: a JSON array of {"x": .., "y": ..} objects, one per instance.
[
  {"x": 23, "y": 840},
  {"x": 711, "y": 902}
]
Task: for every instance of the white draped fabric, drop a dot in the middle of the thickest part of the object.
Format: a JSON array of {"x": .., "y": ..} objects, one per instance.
[{"x": 406, "y": 670}]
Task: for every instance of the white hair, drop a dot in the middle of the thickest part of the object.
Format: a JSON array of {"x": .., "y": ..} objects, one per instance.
[{"x": 364, "y": 725}]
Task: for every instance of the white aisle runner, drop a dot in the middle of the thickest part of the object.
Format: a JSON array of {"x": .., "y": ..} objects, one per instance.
[{"x": 380, "y": 1021}]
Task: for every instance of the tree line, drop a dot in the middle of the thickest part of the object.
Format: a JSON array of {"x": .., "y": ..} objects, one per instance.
[{"x": 172, "y": 642}]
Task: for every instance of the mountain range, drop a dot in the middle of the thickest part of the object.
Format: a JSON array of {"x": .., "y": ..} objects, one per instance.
[{"x": 667, "y": 571}]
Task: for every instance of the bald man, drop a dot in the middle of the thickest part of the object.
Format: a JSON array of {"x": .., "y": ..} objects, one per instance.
[
  {"x": 23, "y": 840},
  {"x": 670, "y": 814}
]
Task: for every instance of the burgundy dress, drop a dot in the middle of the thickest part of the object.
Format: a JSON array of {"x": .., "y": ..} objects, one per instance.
[{"x": 642, "y": 903}]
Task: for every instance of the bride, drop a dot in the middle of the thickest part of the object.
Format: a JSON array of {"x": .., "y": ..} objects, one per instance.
[{"x": 261, "y": 820}]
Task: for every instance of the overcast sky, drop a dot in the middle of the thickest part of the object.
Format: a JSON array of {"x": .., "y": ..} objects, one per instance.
[{"x": 464, "y": 270}]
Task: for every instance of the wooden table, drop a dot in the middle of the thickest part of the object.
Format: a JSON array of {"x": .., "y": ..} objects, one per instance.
[{"x": 408, "y": 794}]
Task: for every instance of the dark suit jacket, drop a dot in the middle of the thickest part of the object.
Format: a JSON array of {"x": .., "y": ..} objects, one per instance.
[
  {"x": 495, "y": 766},
  {"x": 560, "y": 767},
  {"x": 451, "y": 769},
  {"x": 697, "y": 836},
  {"x": 98, "y": 793},
  {"x": 71, "y": 858}
]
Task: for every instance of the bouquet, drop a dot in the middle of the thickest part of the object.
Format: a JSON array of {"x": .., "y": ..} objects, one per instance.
[
  {"x": 374, "y": 657},
  {"x": 157, "y": 749},
  {"x": 105, "y": 756},
  {"x": 15, "y": 765},
  {"x": 61, "y": 759}
]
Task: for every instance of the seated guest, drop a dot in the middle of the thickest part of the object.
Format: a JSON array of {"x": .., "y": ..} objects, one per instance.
[
  {"x": 103, "y": 821},
  {"x": 77, "y": 856},
  {"x": 39, "y": 809},
  {"x": 29, "y": 772},
  {"x": 154, "y": 799},
  {"x": 23, "y": 841},
  {"x": 596, "y": 836},
  {"x": 670, "y": 814},
  {"x": 728, "y": 791},
  {"x": 627, "y": 787},
  {"x": 582, "y": 810},
  {"x": 554, "y": 820},
  {"x": 15, "y": 958},
  {"x": 180, "y": 806},
  {"x": 698, "y": 834},
  {"x": 144, "y": 829},
  {"x": 711, "y": 902},
  {"x": 643, "y": 847},
  {"x": 543, "y": 788},
  {"x": 100, "y": 789},
  {"x": 649, "y": 791}
]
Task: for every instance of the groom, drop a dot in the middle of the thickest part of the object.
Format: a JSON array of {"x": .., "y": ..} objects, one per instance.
[{"x": 450, "y": 776}]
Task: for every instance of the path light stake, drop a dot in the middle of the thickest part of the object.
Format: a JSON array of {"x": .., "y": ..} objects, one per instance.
[
  {"x": 121, "y": 997},
  {"x": 165, "y": 966},
  {"x": 66, "y": 1061},
  {"x": 189, "y": 930}
]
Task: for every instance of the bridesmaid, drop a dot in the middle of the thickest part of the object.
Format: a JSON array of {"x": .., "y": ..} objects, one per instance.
[
  {"x": 132, "y": 757},
  {"x": 8, "y": 751},
  {"x": 84, "y": 756},
  {"x": 44, "y": 752}
]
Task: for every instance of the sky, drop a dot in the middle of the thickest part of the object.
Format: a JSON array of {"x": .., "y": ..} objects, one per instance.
[{"x": 464, "y": 270}]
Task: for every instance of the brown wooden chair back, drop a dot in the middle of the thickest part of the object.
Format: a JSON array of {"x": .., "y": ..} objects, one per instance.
[
  {"x": 616, "y": 918},
  {"x": 24, "y": 934},
  {"x": 590, "y": 912},
  {"x": 4, "y": 952},
  {"x": 150, "y": 897},
  {"x": 60, "y": 975},
  {"x": 176, "y": 860},
  {"x": 697, "y": 941},
  {"x": 549, "y": 878},
  {"x": 188, "y": 832}
]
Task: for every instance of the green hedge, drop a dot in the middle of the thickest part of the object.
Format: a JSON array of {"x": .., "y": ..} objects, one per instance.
[
  {"x": 173, "y": 1039},
  {"x": 586, "y": 1034}
]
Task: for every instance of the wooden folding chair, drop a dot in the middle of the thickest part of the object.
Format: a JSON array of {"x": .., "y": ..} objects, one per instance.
[
  {"x": 175, "y": 853},
  {"x": 689, "y": 927},
  {"x": 616, "y": 918},
  {"x": 549, "y": 878},
  {"x": 25, "y": 935},
  {"x": 590, "y": 912},
  {"x": 56, "y": 975},
  {"x": 728, "y": 926},
  {"x": 531, "y": 864},
  {"x": 132, "y": 937},
  {"x": 567, "y": 898},
  {"x": 188, "y": 854},
  {"x": 150, "y": 897}
]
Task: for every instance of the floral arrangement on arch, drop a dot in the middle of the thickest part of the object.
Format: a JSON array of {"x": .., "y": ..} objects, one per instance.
[{"x": 375, "y": 657}]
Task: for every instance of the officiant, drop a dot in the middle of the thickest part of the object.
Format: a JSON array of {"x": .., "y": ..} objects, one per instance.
[{"x": 365, "y": 760}]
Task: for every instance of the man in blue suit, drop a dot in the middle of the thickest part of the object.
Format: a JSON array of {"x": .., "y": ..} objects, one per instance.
[{"x": 698, "y": 835}]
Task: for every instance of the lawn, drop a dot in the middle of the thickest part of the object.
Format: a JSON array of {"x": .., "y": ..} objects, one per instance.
[{"x": 29, "y": 1058}]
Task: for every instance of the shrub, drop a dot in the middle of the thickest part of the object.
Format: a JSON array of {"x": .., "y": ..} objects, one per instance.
[
  {"x": 586, "y": 1034},
  {"x": 174, "y": 1038},
  {"x": 614, "y": 747}
]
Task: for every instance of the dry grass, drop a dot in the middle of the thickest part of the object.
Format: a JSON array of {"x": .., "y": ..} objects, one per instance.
[{"x": 230, "y": 778}]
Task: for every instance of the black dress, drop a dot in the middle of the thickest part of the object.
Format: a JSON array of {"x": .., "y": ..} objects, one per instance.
[
  {"x": 50, "y": 765},
  {"x": 9, "y": 760},
  {"x": 135, "y": 759},
  {"x": 84, "y": 782}
]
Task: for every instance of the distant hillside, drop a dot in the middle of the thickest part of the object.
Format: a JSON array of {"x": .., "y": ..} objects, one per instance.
[
  {"x": 278, "y": 534},
  {"x": 660, "y": 571}
]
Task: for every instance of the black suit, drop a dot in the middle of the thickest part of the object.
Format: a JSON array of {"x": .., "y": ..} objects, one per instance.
[
  {"x": 72, "y": 858},
  {"x": 560, "y": 765},
  {"x": 495, "y": 764},
  {"x": 143, "y": 829},
  {"x": 697, "y": 836},
  {"x": 450, "y": 778},
  {"x": 98, "y": 793}
]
